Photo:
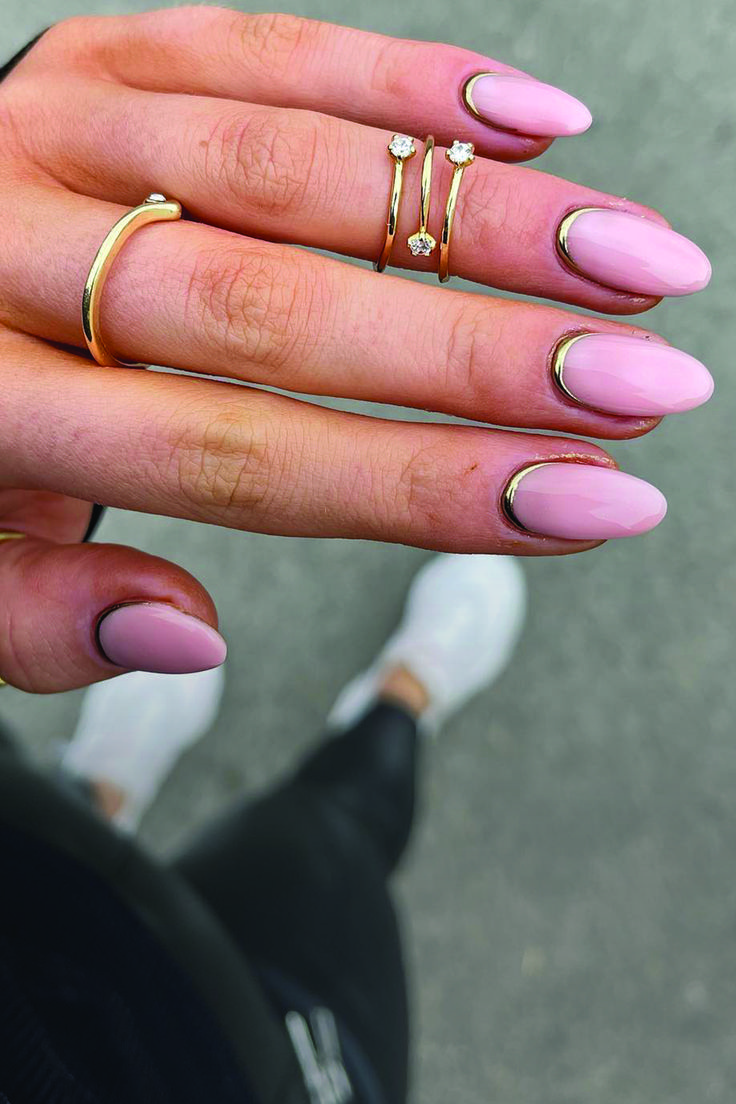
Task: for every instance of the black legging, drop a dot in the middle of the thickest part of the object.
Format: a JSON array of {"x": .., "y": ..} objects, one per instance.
[{"x": 299, "y": 877}]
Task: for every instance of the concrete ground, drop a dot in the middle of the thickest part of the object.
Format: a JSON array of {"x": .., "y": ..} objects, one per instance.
[{"x": 570, "y": 903}]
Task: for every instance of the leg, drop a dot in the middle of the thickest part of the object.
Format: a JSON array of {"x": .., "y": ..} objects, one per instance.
[{"x": 300, "y": 878}]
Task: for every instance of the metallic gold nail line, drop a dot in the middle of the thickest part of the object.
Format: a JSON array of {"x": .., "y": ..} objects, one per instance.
[
  {"x": 558, "y": 364},
  {"x": 467, "y": 93},
  {"x": 561, "y": 238},
  {"x": 509, "y": 493},
  {"x": 147, "y": 212}
]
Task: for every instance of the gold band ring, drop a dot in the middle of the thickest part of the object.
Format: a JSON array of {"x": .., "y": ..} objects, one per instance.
[
  {"x": 401, "y": 148},
  {"x": 422, "y": 244},
  {"x": 460, "y": 155},
  {"x": 7, "y": 535},
  {"x": 156, "y": 208}
]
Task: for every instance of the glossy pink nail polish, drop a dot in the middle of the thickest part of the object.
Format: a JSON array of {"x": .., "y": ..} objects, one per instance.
[
  {"x": 154, "y": 636},
  {"x": 632, "y": 253},
  {"x": 584, "y": 502},
  {"x": 525, "y": 105},
  {"x": 619, "y": 374}
]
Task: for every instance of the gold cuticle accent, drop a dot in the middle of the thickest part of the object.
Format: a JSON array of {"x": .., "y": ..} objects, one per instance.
[
  {"x": 561, "y": 239},
  {"x": 467, "y": 95},
  {"x": 507, "y": 498},
  {"x": 558, "y": 364}
]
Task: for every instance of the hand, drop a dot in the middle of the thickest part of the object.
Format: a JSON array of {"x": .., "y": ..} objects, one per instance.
[{"x": 272, "y": 131}]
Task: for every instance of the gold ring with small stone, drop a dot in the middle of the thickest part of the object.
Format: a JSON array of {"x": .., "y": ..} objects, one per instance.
[
  {"x": 401, "y": 148},
  {"x": 422, "y": 244},
  {"x": 460, "y": 155}
]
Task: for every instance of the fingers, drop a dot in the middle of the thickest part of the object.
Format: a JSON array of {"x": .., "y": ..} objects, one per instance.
[
  {"x": 286, "y": 318},
  {"x": 290, "y": 62},
  {"x": 77, "y": 614},
  {"x": 308, "y": 179},
  {"x": 256, "y": 460}
]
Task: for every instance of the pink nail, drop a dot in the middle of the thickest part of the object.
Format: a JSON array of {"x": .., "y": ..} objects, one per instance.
[
  {"x": 154, "y": 636},
  {"x": 632, "y": 253},
  {"x": 583, "y": 502},
  {"x": 631, "y": 375},
  {"x": 523, "y": 104}
]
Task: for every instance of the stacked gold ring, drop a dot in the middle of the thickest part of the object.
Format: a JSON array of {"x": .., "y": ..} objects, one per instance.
[{"x": 402, "y": 148}]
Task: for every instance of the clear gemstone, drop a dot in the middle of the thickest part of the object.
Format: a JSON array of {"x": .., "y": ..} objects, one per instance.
[
  {"x": 402, "y": 146},
  {"x": 156, "y": 197},
  {"x": 421, "y": 245},
  {"x": 461, "y": 153}
]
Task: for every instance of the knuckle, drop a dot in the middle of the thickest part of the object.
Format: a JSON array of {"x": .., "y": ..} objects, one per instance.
[
  {"x": 274, "y": 42},
  {"x": 220, "y": 459},
  {"x": 394, "y": 67},
  {"x": 253, "y": 304},
  {"x": 427, "y": 481},
  {"x": 71, "y": 38},
  {"x": 470, "y": 350},
  {"x": 269, "y": 160}
]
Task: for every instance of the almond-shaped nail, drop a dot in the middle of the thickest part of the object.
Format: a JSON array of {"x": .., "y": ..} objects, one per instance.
[
  {"x": 631, "y": 253},
  {"x": 154, "y": 636},
  {"x": 618, "y": 374},
  {"x": 522, "y": 104},
  {"x": 582, "y": 502}
]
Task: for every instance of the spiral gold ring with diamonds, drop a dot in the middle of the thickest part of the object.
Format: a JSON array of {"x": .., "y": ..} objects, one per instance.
[
  {"x": 401, "y": 148},
  {"x": 460, "y": 155},
  {"x": 156, "y": 208},
  {"x": 422, "y": 244}
]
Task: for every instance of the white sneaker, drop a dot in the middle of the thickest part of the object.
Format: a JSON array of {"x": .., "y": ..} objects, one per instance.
[
  {"x": 462, "y": 620},
  {"x": 133, "y": 729}
]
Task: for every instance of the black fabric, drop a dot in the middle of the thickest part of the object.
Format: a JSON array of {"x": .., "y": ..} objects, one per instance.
[
  {"x": 98, "y": 512},
  {"x": 75, "y": 894},
  {"x": 91, "y": 1008},
  {"x": 299, "y": 878}
]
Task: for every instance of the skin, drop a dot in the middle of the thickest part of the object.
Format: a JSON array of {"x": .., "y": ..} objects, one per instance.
[{"x": 272, "y": 132}]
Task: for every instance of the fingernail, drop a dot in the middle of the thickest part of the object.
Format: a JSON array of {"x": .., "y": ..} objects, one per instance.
[
  {"x": 154, "y": 636},
  {"x": 619, "y": 374},
  {"x": 523, "y": 104},
  {"x": 582, "y": 502},
  {"x": 631, "y": 253}
]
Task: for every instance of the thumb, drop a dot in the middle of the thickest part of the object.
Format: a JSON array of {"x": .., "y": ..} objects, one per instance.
[{"x": 71, "y": 615}]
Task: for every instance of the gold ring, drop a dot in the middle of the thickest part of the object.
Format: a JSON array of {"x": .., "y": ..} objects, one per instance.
[
  {"x": 156, "y": 208},
  {"x": 401, "y": 148},
  {"x": 8, "y": 535},
  {"x": 460, "y": 155},
  {"x": 422, "y": 244}
]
